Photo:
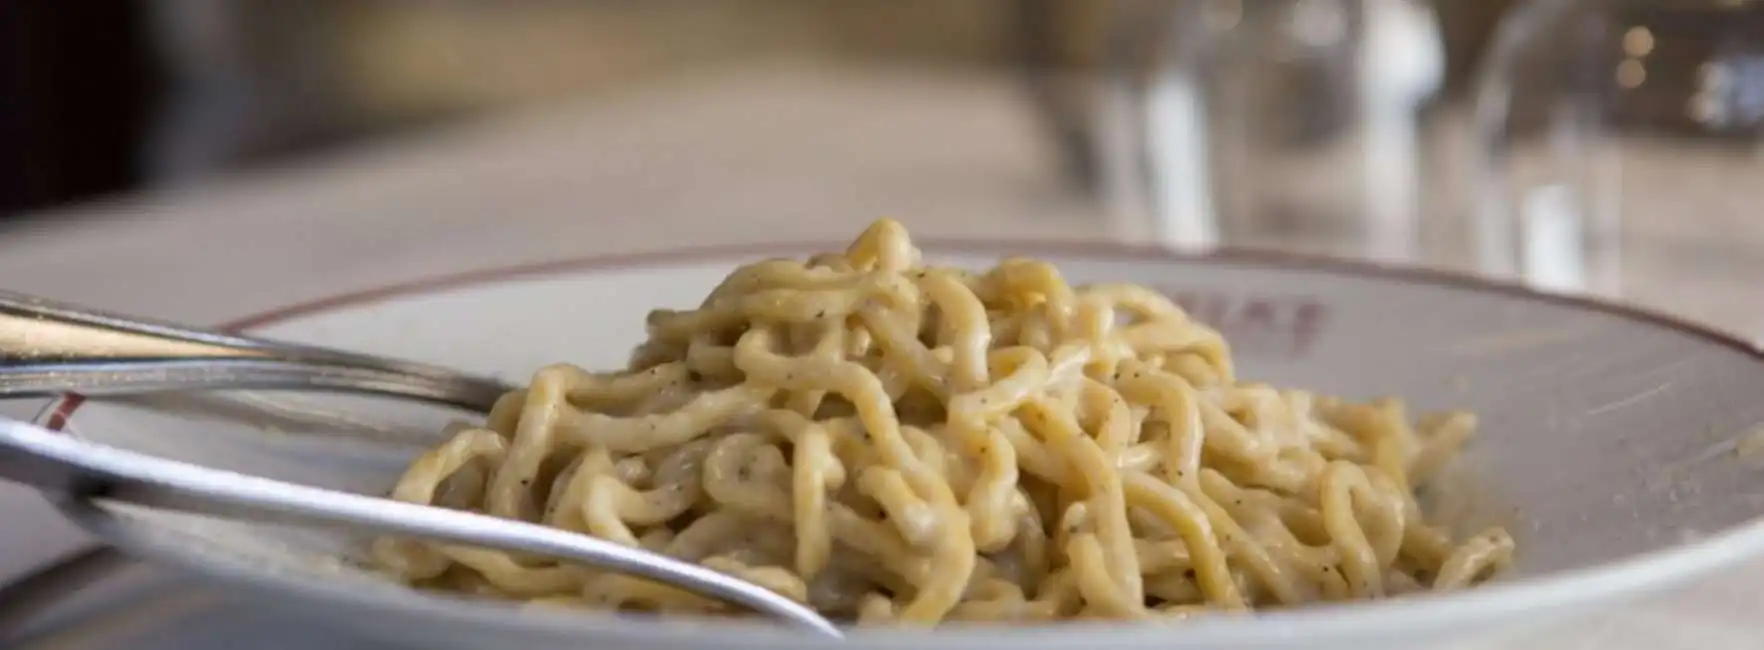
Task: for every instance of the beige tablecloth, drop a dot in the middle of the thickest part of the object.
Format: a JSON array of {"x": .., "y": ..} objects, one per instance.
[{"x": 717, "y": 161}]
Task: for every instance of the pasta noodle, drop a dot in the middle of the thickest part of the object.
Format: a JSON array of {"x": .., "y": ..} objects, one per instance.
[{"x": 894, "y": 442}]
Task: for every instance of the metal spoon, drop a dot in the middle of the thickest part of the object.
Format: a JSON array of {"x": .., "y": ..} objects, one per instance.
[{"x": 48, "y": 348}]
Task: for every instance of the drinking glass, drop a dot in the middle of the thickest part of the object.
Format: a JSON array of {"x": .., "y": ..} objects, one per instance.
[
  {"x": 1286, "y": 124},
  {"x": 1616, "y": 153}
]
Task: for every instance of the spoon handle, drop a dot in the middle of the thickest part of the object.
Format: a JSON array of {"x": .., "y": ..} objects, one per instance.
[
  {"x": 86, "y": 470},
  {"x": 48, "y": 348}
]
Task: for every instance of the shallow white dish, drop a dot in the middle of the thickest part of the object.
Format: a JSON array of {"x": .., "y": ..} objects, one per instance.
[{"x": 1608, "y": 441}]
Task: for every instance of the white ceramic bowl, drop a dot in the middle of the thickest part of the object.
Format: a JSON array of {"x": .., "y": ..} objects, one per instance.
[{"x": 1608, "y": 440}]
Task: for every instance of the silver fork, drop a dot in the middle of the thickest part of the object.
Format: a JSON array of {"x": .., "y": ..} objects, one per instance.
[{"x": 48, "y": 348}]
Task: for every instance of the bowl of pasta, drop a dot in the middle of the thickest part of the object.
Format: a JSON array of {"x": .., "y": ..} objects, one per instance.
[{"x": 972, "y": 444}]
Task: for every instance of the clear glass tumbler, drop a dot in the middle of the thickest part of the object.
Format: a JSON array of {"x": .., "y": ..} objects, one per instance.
[
  {"x": 1616, "y": 153},
  {"x": 1285, "y": 124}
]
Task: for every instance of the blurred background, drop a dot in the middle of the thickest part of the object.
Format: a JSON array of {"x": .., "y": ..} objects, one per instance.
[
  {"x": 102, "y": 98},
  {"x": 1598, "y": 146}
]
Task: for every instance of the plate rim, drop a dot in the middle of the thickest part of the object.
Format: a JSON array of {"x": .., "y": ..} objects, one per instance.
[{"x": 1627, "y": 576}]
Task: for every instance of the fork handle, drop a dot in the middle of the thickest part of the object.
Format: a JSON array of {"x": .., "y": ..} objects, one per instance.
[
  {"x": 81, "y": 471},
  {"x": 47, "y": 348},
  {"x": 135, "y": 377}
]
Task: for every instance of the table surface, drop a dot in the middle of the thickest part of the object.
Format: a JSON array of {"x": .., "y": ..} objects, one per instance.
[{"x": 588, "y": 179}]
